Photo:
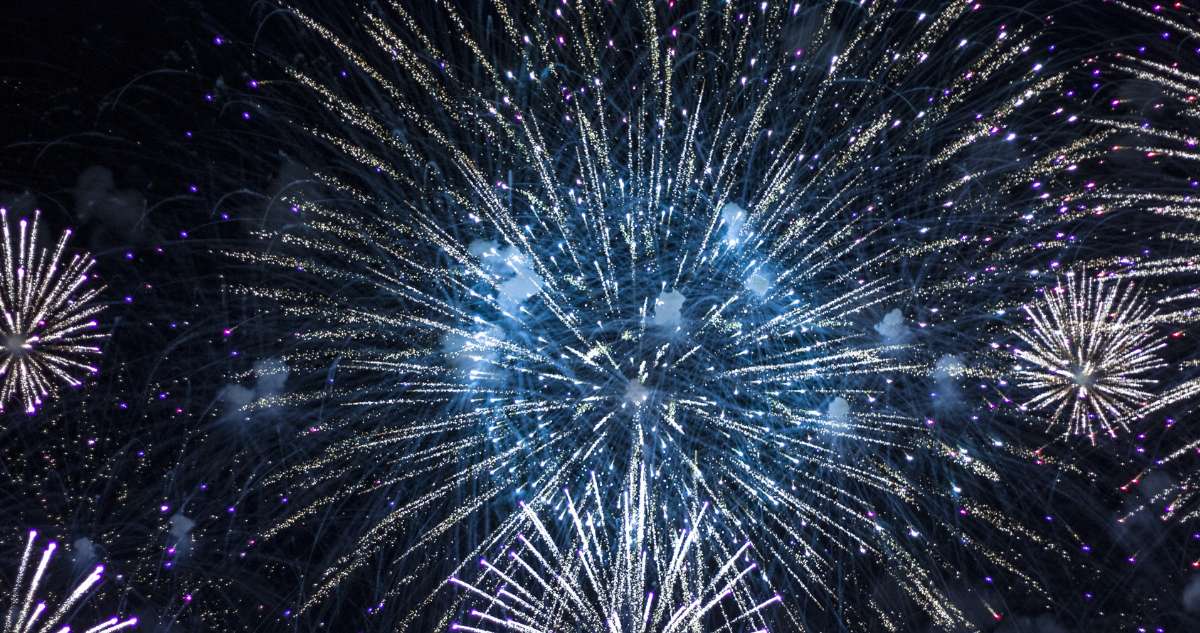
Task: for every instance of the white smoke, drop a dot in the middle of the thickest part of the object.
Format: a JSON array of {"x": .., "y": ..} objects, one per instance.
[
  {"x": 892, "y": 328},
  {"x": 838, "y": 410},
  {"x": 270, "y": 377},
  {"x": 733, "y": 216},
  {"x": 667, "y": 309},
  {"x": 519, "y": 280}
]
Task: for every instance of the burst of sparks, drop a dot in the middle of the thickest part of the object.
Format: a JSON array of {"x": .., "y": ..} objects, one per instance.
[
  {"x": 1088, "y": 348},
  {"x": 27, "y": 613},
  {"x": 49, "y": 326},
  {"x": 540, "y": 262},
  {"x": 616, "y": 573}
]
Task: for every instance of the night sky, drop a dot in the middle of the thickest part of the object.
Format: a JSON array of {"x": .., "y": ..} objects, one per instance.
[{"x": 170, "y": 138}]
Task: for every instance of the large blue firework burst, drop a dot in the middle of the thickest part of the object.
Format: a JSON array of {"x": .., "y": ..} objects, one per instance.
[{"x": 744, "y": 240}]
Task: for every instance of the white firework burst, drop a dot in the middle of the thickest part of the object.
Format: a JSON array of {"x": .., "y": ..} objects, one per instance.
[
  {"x": 618, "y": 573},
  {"x": 27, "y": 613},
  {"x": 48, "y": 326},
  {"x": 1088, "y": 348}
]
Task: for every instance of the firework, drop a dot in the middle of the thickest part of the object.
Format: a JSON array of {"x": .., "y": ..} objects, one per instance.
[
  {"x": 1088, "y": 349},
  {"x": 715, "y": 233},
  {"x": 617, "y": 572},
  {"x": 25, "y": 616},
  {"x": 49, "y": 320}
]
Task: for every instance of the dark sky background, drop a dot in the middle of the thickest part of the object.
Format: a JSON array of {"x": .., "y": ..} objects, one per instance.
[
  {"x": 97, "y": 100},
  {"x": 61, "y": 60}
]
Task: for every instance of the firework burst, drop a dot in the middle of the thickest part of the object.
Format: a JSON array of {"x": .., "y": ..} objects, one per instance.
[
  {"x": 617, "y": 572},
  {"x": 49, "y": 326},
  {"x": 551, "y": 237},
  {"x": 24, "y": 615},
  {"x": 1089, "y": 348}
]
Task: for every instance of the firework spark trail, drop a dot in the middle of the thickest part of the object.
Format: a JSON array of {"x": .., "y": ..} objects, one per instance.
[
  {"x": 1165, "y": 132},
  {"x": 617, "y": 572},
  {"x": 536, "y": 260},
  {"x": 1175, "y": 139},
  {"x": 24, "y": 616},
  {"x": 49, "y": 321}
]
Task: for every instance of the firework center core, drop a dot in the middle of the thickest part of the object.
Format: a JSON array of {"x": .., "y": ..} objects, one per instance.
[{"x": 16, "y": 344}]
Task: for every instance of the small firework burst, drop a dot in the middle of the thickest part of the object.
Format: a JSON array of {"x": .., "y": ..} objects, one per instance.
[
  {"x": 617, "y": 572},
  {"x": 27, "y": 613},
  {"x": 49, "y": 326},
  {"x": 1088, "y": 348}
]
